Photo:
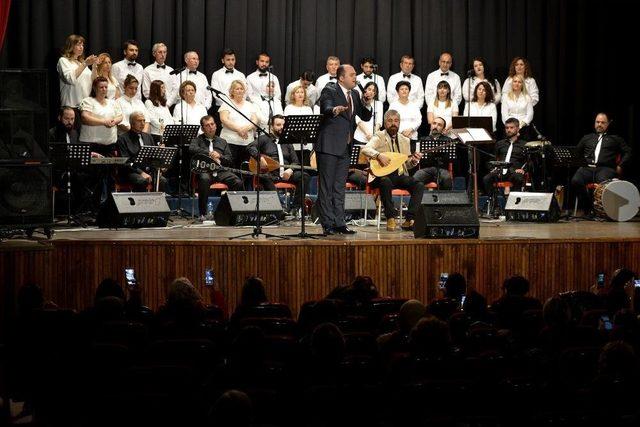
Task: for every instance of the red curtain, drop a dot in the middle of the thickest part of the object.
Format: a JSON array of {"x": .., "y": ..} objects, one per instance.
[{"x": 4, "y": 19}]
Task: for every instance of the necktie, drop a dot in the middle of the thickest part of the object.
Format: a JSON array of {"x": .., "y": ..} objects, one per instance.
[
  {"x": 161, "y": 66},
  {"x": 333, "y": 78},
  {"x": 396, "y": 149},
  {"x": 228, "y": 71},
  {"x": 280, "y": 157},
  {"x": 262, "y": 74},
  {"x": 193, "y": 72},
  {"x": 210, "y": 144},
  {"x": 596, "y": 153},
  {"x": 140, "y": 140},
  {"x": 444, "y": 74},
  {"x": 350, "y": 103},
  {"x": 508, "y": 157},
  {"x": 131, "y": 64},
  {"x": 406, "y": 76}
]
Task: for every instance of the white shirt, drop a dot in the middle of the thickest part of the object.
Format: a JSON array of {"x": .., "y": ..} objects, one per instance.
[
  {"x": 377, "y": 79},
  {"x": 248, "y": 109},
  {"x": 222, "y": 80},
  {"x": 257, "y": 85},
  {"x": 531, "y": 85},
  {"x": 410, "y": 117},
  {"x": 486, "y": 110},
  {"x": 203, "y": 96},
  {"x": 441, "y": 110},
  {"x": 416, "y": 94},
  {"x": 263, "y": 109},
  {"x": 322, "y": 82},
  {"x": 100, "y": 134},
  {"x": 293, "y": 110},
  {"x": 159, "y": 115},
  {"x": 520, "y": 108},
  {"x": 128, "y": 106},
  {"x": 112, "y": 88},
  {"x": 431, "y": 86},
  {"x": 156, "y": 72},
  {"x": 474, "y": 82},
  {"x": 192, "y": 114},
  {"x": 121, "y": 70},
  {"x": 73, "y": 89},
  {"x": 359, "y": 135},
  {"x": 312, "y": 93}
]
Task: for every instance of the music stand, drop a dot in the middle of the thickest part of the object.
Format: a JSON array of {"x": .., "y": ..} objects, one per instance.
[
  {"x": 484, "y": 122},
  {"x": 302, "y": 130},
  {"x": 70, "y": 156},
  {"x": 438, "y": 152},
  {"x": 179, "y": 136},
  {"x": 562, "y": 157},
  {"x": 157, "y": 157},
  {"x": 473, "y": 137}
]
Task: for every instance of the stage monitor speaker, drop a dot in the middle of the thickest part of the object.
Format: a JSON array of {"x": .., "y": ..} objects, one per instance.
[
  {"x": 134, "y": 210},
  {"x": 26, "y": 199},
  {"x": 239, "y": 207},
  {"x": 532, "y": 207},
  {"x": 446, "y": 215}
]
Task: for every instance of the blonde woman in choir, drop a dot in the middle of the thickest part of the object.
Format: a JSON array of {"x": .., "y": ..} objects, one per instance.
[
  {"x": 517, "y": 104},
  {"x": 103, "y": 69}
]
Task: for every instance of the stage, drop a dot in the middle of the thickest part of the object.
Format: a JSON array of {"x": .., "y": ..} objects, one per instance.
[{"x": 555, "y": 257}]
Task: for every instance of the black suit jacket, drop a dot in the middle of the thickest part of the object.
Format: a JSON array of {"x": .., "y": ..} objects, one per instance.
[
  {"x": 129, "y": 146},
  {"x": 266, "y": 145},
  {"x": 59, "y": 134},
  {"x": 337, "y": 131},
  {"x": 200, "y": 145},
  {"x": 612, "y": 145},
  {"x": 518, "y": 153}
]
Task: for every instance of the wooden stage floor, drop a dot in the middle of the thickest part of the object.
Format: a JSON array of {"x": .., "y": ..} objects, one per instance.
[{"x": 554, "y": 257}]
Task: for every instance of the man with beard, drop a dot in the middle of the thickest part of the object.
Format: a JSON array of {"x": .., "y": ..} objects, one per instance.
[
  {"x": 261, "y": 78},
  {"x": 389, "y": 140},
  {"x": 64, "y": 130},
  {"x": 511, "y": 149},
  {"x": 128, "y": 65},
  {"x": 432, "y": 173}
]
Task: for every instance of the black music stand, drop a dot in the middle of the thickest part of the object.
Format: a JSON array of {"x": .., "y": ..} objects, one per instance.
[
  {"x": 157, "y": 158},
  {"x": 179, "y": 136},
  {"x": 302, "y": 130},
  {"x": 70, "y": 156},
  {"x": 435, "y": 151},
  {"x": 466, "y": 136},
  {"x": 562, "y": 157}
]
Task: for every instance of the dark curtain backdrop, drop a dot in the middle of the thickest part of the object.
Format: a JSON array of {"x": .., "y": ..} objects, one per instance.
[{"x": 580, "y": 51}]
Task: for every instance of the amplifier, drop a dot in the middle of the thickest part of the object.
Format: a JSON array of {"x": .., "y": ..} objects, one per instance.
[
  {"x": 239, "y": 207},
  {"x": 134, "y": 210},
  {"x": 532, "y": 207},
  {"x": 446, "y": 215}
]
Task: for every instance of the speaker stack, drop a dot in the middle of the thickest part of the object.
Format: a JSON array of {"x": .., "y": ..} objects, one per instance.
[
  {"x": 446, "y": 215},
  {"x": 532, "y": 207},
  {"x": 239, "y": 207}
]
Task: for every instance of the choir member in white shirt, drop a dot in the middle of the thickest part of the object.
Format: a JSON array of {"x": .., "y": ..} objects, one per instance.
[
  {"x": 443, "y": 73},
  {"x": 410, "y": 116},
  {"x": 103, "y": 68},
  {"x": 191, "y": 73},
  {"x": 129, "y": 103},
  {"x": 365, "y": 130},
  {"x": 333, "y": 62},
  {"x": 520, "y": 66},
  {"x": 368, "y": 67},
  {"x": 74, "y": 73},
  {"x": 442, "y": 106},
  {"x": 100, "y": 119},
  {"x": 407, "y": 63},
  {"x": 128, "y": 65},
  {"x": 159, "y": 114},
  {"x": 300, "y": 105},
  {"x": 480, "y": 74},
  {"x": 306, "y": 81},
  {"x": 237, "y": 130},
  {"x": 188, "y": 111},
  {"x": 268, "y": 106},
  {"x": 517, "y": 104},
  {"x": 159, "y": 70},
  {"x": 258, "y": 80},
  {"x": 482, "y": 104},
  {"x": 222, "y": 78}
]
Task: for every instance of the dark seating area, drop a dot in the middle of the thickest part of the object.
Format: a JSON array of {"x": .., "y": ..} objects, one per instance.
[{"x": 354, "y": 358}]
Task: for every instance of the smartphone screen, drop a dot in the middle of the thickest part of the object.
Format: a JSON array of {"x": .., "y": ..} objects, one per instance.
[
  {"x": 606, "y": 322},
  {"x": 130, "y": 277},
  {"x": 443, "y": 279},
  {"x": 636, "y": 283},
  {"x": 209, "y": 277},
  {"x": 464, "y": 297},
  {"x": 600, "y": 280}
]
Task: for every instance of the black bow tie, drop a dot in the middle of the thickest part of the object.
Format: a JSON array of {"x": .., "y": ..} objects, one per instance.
[
  {"x": 161, "y": 66},
  {"x": 262, "y": 74},
  {"x": 406, "y": 76},
  {"x": 332, "y": 78},
  {"x": 131, "y": 64},
  {"x": 367, "y": 77},
  {"x": 193, "y": 72},
  {"x": 444, "y": 74},
  {"x": 228, "y": 71},
  {"x": 266, "y": 98}
]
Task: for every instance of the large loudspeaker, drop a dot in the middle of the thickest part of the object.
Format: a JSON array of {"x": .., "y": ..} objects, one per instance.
[
  {"x": 239, "y": 207},
  {"x": 25, "y": 195},
  {"x": 134, "y": 210},
  {"x": 355, "y": 202},
  {"x": 446, "y": 214},
  {"x": 532, "y": 207}
]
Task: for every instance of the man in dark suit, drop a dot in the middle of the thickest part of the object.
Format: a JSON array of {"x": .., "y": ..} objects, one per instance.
[
  {"x": 129, "y": 144},
  {"x": 64, "y": 130},
  {"x": 339, "y": 104},
  {"x": 600, "y": 150},
  {"x": 208, "y": 144},
  {"x": 511, "y": 149},
  {"x": 283, "y": 154}
]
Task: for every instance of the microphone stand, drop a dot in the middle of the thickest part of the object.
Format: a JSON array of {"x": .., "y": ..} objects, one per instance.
[
  {"x": 180, "y": 211},
  {"x": 257, "y": 228},
  {"x": 375, "y": 80}
]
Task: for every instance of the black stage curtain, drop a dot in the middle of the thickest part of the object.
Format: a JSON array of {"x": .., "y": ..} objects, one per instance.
[{"x": 580, "y": 51}]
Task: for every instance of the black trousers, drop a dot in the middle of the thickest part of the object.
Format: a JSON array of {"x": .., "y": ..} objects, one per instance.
[
  {"x": 268, "y": 183},
  {"x": 332, "y": 177},
  {"x": 205, "y": 180},
  {"x": 387, "y": 183},
  {"x": 586, "y": 175},
  {"x": 140, "y": 184},
  {"x": 517, "y": 179}
]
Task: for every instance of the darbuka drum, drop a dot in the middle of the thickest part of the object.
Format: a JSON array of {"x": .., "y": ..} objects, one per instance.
[{"x": 616, "y": 199}]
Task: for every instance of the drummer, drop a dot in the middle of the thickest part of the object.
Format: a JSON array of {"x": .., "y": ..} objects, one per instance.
[
  {"x": 511, "y": 150},
  {"x": 606, "y": 155}
]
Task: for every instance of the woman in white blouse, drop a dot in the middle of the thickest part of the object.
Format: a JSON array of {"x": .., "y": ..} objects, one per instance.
[
  {"x": 410, "y": 116},
  {"x": 73, "y": 70},
  {"x": 188, "y": 111},
  {"x": 159, "y": 114},
  {"x": 103, "y": 69},
  {"x": 517, "y": 104},
  {"x": 237, "y": 130},
  {"x": 481, "y": 74},
  {"x": 483, "y": 104},
  {"x": 100, "y": 118},
  {"x": 520, "y": 67},
  {"x": 129, "y": 103},
  {"x": 299, "y": 105},
  {"x": 365, "y": 130},
  {"x": 443, "y": 106}
]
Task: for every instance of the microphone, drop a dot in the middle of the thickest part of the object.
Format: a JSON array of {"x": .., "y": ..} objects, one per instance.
[
  {"x": 216, "y": 91},
  {"x": 177, "y": 71},
  {"x": 270, "y": 67},
  {"x": 539, "y": 135},
  {"x": 470, "y": 73}
]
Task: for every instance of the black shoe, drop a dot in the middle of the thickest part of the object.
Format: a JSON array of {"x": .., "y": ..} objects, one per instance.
[
  {"x": 344, "y": 230},
  {"x": 328, "y": 231}
]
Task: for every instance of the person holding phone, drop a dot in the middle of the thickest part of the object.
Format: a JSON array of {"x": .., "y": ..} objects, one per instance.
[
  {"x": 621, "y": 291},
  {"x": 452, "y": 288}
]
